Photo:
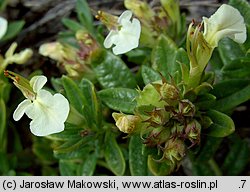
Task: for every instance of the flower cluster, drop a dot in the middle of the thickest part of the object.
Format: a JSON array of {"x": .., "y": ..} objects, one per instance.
[{"x": 164, "y": 119}]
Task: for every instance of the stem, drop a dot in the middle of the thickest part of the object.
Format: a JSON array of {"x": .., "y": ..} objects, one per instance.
[{"x": 215, "y": 167}]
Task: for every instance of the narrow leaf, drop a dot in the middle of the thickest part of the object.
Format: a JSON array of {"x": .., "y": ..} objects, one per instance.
[
  {"x": 89, "y": 165},
  {"x": 137, "y": 161},
  {"x": 113, "y": 155},
  {"x": 238, "y": 148},
  {"x": 3, "y": 136},
  {"x": 71, "y": 24},
  {"x": 222, "y": 125},
  {"x": 73, "y": 93},
  {"x": 92, "y": 105},
  {"x": 84, "y": 14}
]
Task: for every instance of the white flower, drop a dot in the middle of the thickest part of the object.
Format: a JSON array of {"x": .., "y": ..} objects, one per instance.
[
  {"x": 48, "y": 112},
  {"x": 54, "y": 50},
  {"x": 225, "y": 22},
  {"x": 3, "y": 27},
  {"x": 126, "y": 37}
]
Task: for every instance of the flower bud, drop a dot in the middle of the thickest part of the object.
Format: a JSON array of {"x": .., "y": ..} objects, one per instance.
[
  {"x": 21, "y": 58},
  {"x": 157, "y": 136},
  {"x": 158, "y": 117},
  {"x": 140, "y": 8},
  {"x": 174, "y": 150},
  {"x": 53, "y": 50},
  {"x": 110, "y": 21},
  {"x": 193, "y": 130},
  {"x": 186, "y": 108},
  {"x": 167, "y": 91},
  {"x": 126, "y": 123},
  {"x": 22, "y": 84}
]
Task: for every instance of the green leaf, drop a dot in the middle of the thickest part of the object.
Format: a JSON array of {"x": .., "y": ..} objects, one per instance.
[
  {"x": 149, "y": 75},
  {"x": 229, "y": 50},
  {"x": 73, "y": 93},
  {"x": 13, "y": 29},
  {"x": 68, "y": 168},
  {"x": 164, "y": 56},
  {"x": 158, "y": 168},
  {"x": 208, "y": 148},
  {"x": 70, "y": 131},
  {"x": 239, "y": 68},
  {"x": 228, "y": 87},
  {"x": 205, "y": 101},
  {"x": 89, "y": 165},
  {"x": 113, "y": 72},
  {"x": 202, "y": 169},
  {"x": 74, "y": 148},
  {"x": 181, "y": 67},
  {"x": 222, "y": 125},
  {"x": 84, "y": 14},
  {"x": 4, "y": 168},
  {"x": 92, "y": 105},
  {"x": 113, "y": 155},
  {"x": 71, "y": 24},
  {"x": 3, "y": 136},
  {"x": 233, "y": 100},
  {"x": 238, "y": 148},
  {"x": 42, "y": 149},
  {"x": 137, "y": 161},
  {"x": 119, "y": 99},
  {"x": 5, "y": 89}
]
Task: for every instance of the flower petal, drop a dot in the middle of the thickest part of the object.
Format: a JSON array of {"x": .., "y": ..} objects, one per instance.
[
  {"x": 37, "y": 82},
  {"x": 3, "y": 26},
  {"x": 110, "y": 39},
  {"x": 225, "y": 22},
  {"x": 21, "y": 109},
  {"x": 48, "y": 113},
  {"x": 126, "y": 15},
  {"x": 128, "y": 37}
]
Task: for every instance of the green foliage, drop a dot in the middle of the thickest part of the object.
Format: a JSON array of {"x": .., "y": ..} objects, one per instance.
[
  {"x": 113, "y": 155},
  {"x": 137, "y": 160},
  {"x": 113, "y": 72},
  {"x": 164, "y": 56},
  {"x": 71, "y": 24},
  {"x": 13, "y": 29},
  {"x": 119, "y": 99},
  {"x": 222, "y": 125},
  {"x": 84, "y": 14}
]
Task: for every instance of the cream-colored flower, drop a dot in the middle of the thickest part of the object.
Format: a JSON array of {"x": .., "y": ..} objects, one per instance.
[
  {"x": 53, "y": 50},
  {"x": 48, "y": 112},
  {"x": 3, "y": 26},
  {"x": 126, "y": 36},
  {"x": 225, "y": 22}
]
